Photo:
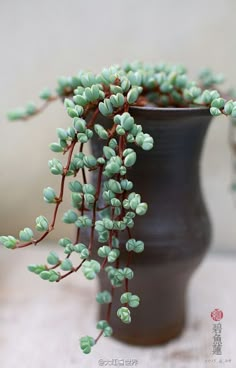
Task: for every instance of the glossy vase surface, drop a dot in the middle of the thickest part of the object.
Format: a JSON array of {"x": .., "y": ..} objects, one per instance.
[{"x": 176, "y": 229}]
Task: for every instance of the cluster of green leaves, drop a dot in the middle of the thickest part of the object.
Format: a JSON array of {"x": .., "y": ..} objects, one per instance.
[{"x": 109, "y": 208}]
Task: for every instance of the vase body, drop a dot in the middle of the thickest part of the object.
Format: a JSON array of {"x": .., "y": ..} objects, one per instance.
[{"x": 175, "y": 230}]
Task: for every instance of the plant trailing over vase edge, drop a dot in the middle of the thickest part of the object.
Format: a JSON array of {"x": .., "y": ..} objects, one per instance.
[{"x": 109, "y": 207}]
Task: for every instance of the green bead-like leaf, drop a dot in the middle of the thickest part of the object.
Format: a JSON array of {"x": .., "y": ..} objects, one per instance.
[
  {"x": 63, "y": 143},
  {"x": 66, "y": 265},
  {"x": 117, "y": 119},
  {"x": 125, "y": 84},
  {"x": 134, "y": 200},
  {"x": 90, "y": 161},
  {"x": 117, "y": 100},
  {"x": 133, "y": 95},
  {"x": 135, "y": 245},
  {"x": 108, "y": 223},
  {"x": 139, "y": 139},
  {"x": 181, "y": 81},
  {"x": 42, "y": 223},
  {"x": 90, "y": 269},
  {"x": 108, "y": 195},
  {"x": 72, "y": 112},
  {"x": 75, "y": 186},
  {"x": 108, "y": 331},
  {"x": 16, "y": 114},
  {"x": 130, "y": 159},
  {"x": 113, "y": 166},
  {"x": 78, "y": 248},
  {"x": 141, "y": 209},
  {"x": 135, "y": 78},
  {"x": 104, "y": 251},
  {"x": 79, "y": 125},
  {"x": 63, "y": 242},
  {"x": 113, "y": 255},
  {"x": 26, "y": 234},
  {"x": 214, "y": 94},
  {"x": 55, "y": 167},
  {"x": 84, "y": 254},
  {"x": 53, "y": 258},
  {"x": 89, "y": 199},
  {"x": 126, "y": 184},
  {"x": 228, "y": 107},
  {"x": 148, "y": 142},
  {"x": 62, "y": 134},
  {"x": 195, "y": 91},
  {"x": 37, "y": 269},
  {"x": 131, "y": 299},
  {"x": 101, "y": 132},
  {"x": 8, "y": 241},
  {"x": 126, "y": 121},
  {"x": 30, "y": 109},
  {"x": 105, "y": 107},
  {"x": 82, "y": 137},
  {"x": 68, "y": 103},
  {"x": 103, "y": 325},
  {"x": 218, "y": 103},
  {"x": 120, "y": 130},
  {"x": 99, "y": 226},
  {"x": 101, "y": 161},
  {"x": 54, "y": 276},
  {"x": 115, "y": 89},
  {"x": 45, "y": 275},
  {"x": 56, "y": 147},
  {"x": 89, "y": 95},
  {"x": 215, "y": 111},
  {"x": 89, "y": 189},
  {"x": 206, "y": 96},
  {"x": 83, "y": 221},
  {"x": 115, "y": 202},
  {"x": 128, "y": 273},
  {"x": 70, "y": 217},
  {"x": 45, "y": 94},
  {"x": 139, "y": 246},
  {"x": 104, "y": 297},
  {"x": 71, "y": 132},
  {"x": 124, "y": 314},
  {"x": 125, "y": 297},
  {"x": 114, "y": 186},
  {"x": 95, "y": 91},
  {"x": 86, "y": 343},
  {"x": 108, "y": 152},
  {"x": 49, "y": 195},
  {"x": 88, "y": 79},
  {"x": 80, "y": 100}
]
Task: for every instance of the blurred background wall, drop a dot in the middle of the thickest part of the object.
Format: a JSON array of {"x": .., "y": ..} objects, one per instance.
[{"x": 41, "y": 40}]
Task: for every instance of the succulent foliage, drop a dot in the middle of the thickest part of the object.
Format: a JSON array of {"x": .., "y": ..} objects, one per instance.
[{"x": 109, "y": 207}]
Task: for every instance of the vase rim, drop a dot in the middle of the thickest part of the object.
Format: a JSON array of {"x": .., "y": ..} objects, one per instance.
[
  {"x": 149, "y": 107},
  {"x": 152, "y": 112}
]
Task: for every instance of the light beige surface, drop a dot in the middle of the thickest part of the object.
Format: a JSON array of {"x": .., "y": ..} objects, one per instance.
[
  {"x": 40, "y": 323},
  {"x": 41, "y": 40}
]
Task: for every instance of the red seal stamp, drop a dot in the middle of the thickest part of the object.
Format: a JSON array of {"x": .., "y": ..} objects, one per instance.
[{"x": 217, "y": 315}]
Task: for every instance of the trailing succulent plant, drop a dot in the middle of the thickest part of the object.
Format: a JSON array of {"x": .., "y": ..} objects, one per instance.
[{"x": 108, "y": 208}]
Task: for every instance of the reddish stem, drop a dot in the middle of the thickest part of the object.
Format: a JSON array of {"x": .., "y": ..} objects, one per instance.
[
  {"x": 93, "y": 118},
  {"x": 99, "y": 182},
  {"x": 72, "y": 271},
  {"x": 42, "y": 108},
  {"x": 59, "y": 200},
  {"x": 108, "y": 315}
]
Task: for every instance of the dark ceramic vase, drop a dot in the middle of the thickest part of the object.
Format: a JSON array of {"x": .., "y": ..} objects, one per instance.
[{"x": 175, "y": 230}]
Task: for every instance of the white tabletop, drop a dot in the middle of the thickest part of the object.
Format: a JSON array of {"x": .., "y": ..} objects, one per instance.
[{"x": 40, "y": 323}]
